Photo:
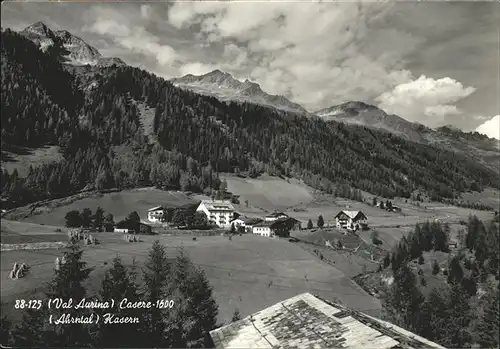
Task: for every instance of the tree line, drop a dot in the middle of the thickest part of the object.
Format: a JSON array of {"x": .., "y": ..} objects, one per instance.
[
  {"x": 186, "y": 217},
  {"x": 98, "y": 220},
  {"x": 462, "y": 312},
  {"x": 189, "y": 310},
  {"x": 100, "y": 132}
]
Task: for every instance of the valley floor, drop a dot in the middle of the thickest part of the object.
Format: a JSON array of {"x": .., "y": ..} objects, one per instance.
[{"x": 248, "y": 272}]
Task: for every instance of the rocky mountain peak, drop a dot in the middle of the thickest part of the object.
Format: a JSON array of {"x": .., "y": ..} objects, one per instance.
[
  {"x": 225, "y": 87},
  {"x": 74, "y": 50},
  {"x": 39, "y": 28}
]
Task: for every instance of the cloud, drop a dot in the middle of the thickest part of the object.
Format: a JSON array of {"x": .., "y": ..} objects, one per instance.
[
  {"x": 314, "y": 53},
  {"x": 317, "y": 54},
  {"x": 129, "y": 35},
  {"x": 146, "y": 11},
  {"x": 197, "y": 68},
  {"x": 425, "y": 99},
  {"x": 108, "y": 27},
  {"x": 491, "y": 128}
]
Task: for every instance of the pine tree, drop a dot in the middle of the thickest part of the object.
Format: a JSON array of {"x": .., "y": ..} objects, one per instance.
[
  {"x": 109, "y": 222},
  {"x": 402, "y": 302},
  {"x": 134, "y": 221},
  {"x": 433, "y": 315},
  {"x": 156, "y": 281},
  {"x": 200, "y": 220},
  {"x": 456, "y": 272},
  {"x": 68, "y": 283},
  {"x": 387, "y": 260},
  {"x": 435, "y": 268},
  {"x": 32, "y": 330},
  {"x": 119, "y": 284},
  {"x": 486, "y": 328},
  {"x": 456, "y": 330},
  {"x": 474, "y": 228},
  {"x": 320, "y": 222},
  {"x": 73, "y": 219},
  {"x": 179, "y": 218},
  {"x": 236, "y": 315},
  {"x": 309, "y": 224},
  {"x": 5, "y": 330},
  {"x": 86, "y": 218},
  {"x": 421, "y": 259},
  {"x": 98, "y": 219},
  {"x": 195, "y": 310}
]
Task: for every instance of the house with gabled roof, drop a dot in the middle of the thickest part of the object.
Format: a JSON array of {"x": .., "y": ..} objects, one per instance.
[
  {"x": 155, "y": 214},
  {"x": 274, "y": 216},
  {"x": 351, "y": 220},
  {"x": 245, "y": 222},
  {"x": 279, "y": 227}
]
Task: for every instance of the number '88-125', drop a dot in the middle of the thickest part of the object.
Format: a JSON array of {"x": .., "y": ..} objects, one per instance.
[{"x": 31, "y": 304}]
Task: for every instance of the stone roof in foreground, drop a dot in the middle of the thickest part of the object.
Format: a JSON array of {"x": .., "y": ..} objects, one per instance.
[{"x": 308, "y": 322}]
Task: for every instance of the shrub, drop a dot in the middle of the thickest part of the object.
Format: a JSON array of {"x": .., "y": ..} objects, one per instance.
[
  {"x": 321, "y": 221},
  {"x": 435, "y": 268},
  {"x": 309, "y": 224},
  {"x": 421, "y": 259},
  {"x": 375, "y": 239}
]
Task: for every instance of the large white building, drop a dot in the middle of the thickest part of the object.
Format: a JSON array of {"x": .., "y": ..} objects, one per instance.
[
  {"x": 218, "y": 212},
  {"x": 155, "y": 214}
]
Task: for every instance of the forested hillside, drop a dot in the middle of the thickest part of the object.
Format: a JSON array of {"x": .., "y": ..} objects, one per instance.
[
  {"x": 92, "y": 111},
  {"x": 38, "y": 98},
  {"x": 461, "y": 309}
]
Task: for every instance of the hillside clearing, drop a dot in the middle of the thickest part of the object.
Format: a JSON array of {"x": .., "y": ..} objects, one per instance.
[
  {"x": 489, "y": 197},
  {"x": 269, "y": 193},
  {"x": 147, "y": 116},
  {"x": 119, "y": 204},
  {"x": 22, "y": 158},
  {"x": 379, "y": 282},
  {"x": 24, "y": 233}
]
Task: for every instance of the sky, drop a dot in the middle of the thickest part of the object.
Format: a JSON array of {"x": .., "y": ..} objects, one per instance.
[{"x": 436, "y": 63}]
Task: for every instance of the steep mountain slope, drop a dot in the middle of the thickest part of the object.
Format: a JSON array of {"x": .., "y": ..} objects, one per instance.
[
  {"x": 72, "y": 48},
  {"x": 483, "y": 148},
  {"x": 226, "y": 88},
  {"x": 359, "y": 113},
  {"x": 38, "y": 98},
  {"x": 196, "y": 137}
]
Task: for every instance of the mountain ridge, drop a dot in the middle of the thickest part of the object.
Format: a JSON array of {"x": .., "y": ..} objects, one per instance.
[
  {"x": 72, "y": 49},
  {"x": 364, "y": 114},
  {"x": 225, "y": 87},
  {"x": 367, "y": 115},
  {"x": 217, "y": 136}
]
